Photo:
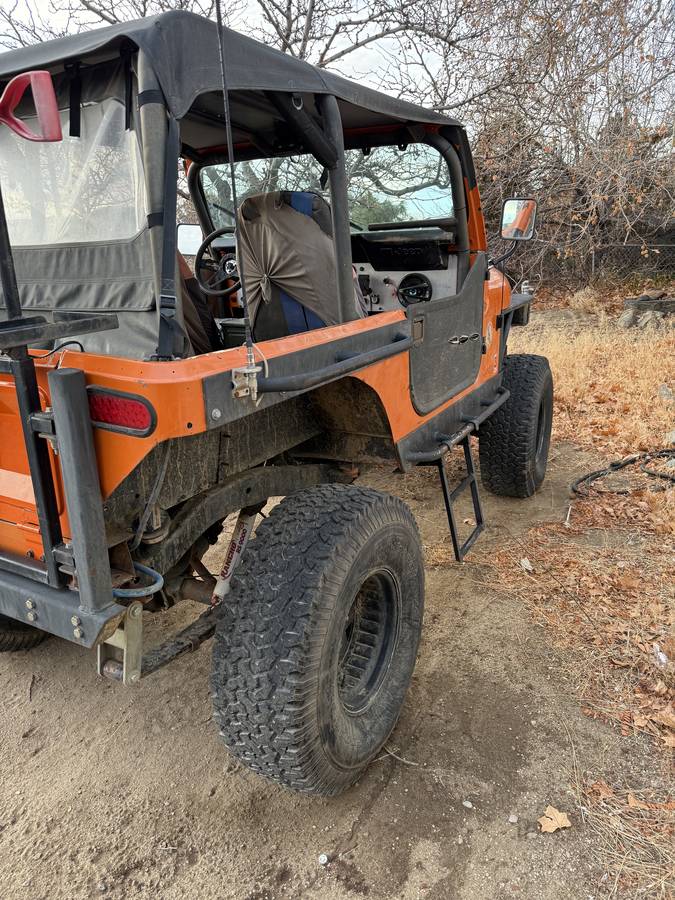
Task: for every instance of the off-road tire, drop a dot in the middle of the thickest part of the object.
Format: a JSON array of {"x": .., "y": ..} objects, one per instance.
[
  {"x": 316, "y": 644},
  {"x": 16, "y": 635},
  {"x": 513, "y": 443}
]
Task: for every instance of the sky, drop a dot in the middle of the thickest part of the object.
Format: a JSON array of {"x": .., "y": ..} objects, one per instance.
[{"x": 365, "y": 65}]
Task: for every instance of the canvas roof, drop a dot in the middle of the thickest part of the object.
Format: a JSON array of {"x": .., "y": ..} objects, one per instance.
[{"x": 183, "y": 51}]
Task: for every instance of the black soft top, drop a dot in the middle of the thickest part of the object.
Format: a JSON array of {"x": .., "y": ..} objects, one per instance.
[{"x": 182, "y": 48}]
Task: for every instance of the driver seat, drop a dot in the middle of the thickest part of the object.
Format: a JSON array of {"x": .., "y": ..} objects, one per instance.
[{"x": 286, "y": 243}]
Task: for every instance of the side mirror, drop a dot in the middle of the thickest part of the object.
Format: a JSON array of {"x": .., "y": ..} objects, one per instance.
[
  {"x": 189, "y": 238},
  {"x": 518, "y": 218},
  {"x": 44, "y": 100}
]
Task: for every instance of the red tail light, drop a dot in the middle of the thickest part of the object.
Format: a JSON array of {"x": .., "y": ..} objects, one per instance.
[
  {"x": 117, "y": 411},
  {"x": 44, "y": 100}
]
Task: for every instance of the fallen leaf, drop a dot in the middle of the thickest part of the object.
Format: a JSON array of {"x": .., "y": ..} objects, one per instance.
[
  {"x": 621, "y": 663},
  {"x": 634, "y": 803},
  {"x": 666, "y": 717},
  {"x": 553, "y": 819},
  {"x": 602, "y": 789}
]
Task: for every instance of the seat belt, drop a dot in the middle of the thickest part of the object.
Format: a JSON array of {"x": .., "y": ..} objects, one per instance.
[{"x": 172, "y": 341}]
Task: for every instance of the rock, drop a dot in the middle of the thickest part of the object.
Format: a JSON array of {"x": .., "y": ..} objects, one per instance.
[
  {"x": 666, "y": 393},
  {"x": 628, "y": 318},
  {"x": 671, "y": 463},
  {"x": 649, "y": 320},
  {"x": 670, "y": 437},
  {"x": 531, "y": 835},
  {"x": 323, "y": 859},
  {"x": 467, "y": 803},
  {"x": 646, "y": 304},
  {"x": 654, "y": 294},
  {"x": 513, "y": 819}
]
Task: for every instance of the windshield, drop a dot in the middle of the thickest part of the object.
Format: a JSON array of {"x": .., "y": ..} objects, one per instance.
[
  {"x": 79, "y": 190},
  {"x": 386, "y": 185}
]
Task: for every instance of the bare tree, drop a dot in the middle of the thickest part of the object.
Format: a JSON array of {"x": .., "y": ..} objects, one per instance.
[{"x": 567, "y": 100}]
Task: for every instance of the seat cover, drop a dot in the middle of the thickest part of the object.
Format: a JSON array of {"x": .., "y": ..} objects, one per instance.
[{"x": 287, "y": 253}]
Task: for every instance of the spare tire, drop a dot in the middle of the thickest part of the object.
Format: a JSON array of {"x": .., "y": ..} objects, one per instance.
[{"x": 16, "y": 635}]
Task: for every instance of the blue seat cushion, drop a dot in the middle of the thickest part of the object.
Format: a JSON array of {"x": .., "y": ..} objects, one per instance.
[{"x": 298, "y": 317}]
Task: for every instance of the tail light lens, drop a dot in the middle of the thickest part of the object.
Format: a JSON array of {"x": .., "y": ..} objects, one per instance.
[{"x": 117, "y": 411}]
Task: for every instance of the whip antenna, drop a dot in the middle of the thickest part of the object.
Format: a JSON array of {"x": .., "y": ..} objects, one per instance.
[{"x": 245, "y": 380}]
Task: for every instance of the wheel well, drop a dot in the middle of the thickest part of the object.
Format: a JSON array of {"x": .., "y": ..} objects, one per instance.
[{"x": 354, "y": 424}]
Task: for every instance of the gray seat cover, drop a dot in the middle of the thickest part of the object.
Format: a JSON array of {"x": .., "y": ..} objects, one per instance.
[{"x": 283, "y": 248}]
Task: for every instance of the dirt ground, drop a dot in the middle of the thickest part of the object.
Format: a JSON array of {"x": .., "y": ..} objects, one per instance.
[{"x": 126, "y": 793}]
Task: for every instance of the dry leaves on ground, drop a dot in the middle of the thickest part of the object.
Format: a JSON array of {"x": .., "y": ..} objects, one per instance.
[
  {"x": 612, "y": 605},
  {"x": 553, "y": 820},
  {"x": 605, "y": 297},
  {"x": 643, "y": 509}
]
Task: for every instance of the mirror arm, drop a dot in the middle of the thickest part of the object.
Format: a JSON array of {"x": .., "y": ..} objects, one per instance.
[{"x": 502, "y": 259}]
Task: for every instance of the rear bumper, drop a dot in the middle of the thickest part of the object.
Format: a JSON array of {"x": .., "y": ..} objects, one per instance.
[
  {"x": 56, "y": 610},
  {"x": 41, "y": 594}
]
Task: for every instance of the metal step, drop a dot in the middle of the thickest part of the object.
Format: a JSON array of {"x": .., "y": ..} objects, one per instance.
[{"x": 449, "y": 497}]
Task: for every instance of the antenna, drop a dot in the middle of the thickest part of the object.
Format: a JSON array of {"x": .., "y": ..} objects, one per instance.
[{"x": 245, "y": 380}]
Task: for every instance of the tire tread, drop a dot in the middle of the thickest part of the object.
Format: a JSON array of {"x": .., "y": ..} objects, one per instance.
[
  {"x": 271, "y": 628},
  {"x": 16, "y": 636},
  {"x": 506, "y": 439}
]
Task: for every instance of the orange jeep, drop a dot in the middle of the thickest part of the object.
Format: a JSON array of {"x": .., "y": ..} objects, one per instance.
[{"x": 342, "y": 310}]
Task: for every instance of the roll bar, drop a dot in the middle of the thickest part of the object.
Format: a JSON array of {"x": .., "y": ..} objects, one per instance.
[{"x": 449, "y": 154}]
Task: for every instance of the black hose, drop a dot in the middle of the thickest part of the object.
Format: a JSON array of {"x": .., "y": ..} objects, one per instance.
[{"x": 580, "y": 486}]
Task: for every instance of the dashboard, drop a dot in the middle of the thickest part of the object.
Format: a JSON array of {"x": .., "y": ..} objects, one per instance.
[{"x": 397, "y": 266}]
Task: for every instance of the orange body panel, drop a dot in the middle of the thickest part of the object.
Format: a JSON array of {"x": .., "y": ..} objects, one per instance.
[
  {"x": 176, "y": 393},
  {"x": 391, "y": 378}
]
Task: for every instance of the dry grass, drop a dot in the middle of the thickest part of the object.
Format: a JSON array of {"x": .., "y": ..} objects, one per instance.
[
  {"x": 635, "y": 831},
  {"x": 605, "y": 296},
  {"x": 607, "y": 386},
  {"x": 602, "y": 582},
  {"x": 585, "y": 300}
]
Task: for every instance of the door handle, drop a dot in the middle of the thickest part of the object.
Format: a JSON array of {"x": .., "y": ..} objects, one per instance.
[{"x": 463, "y": 338}]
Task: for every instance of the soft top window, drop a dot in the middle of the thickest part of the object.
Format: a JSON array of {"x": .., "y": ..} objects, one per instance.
[
  {"x": 386, "y": 185},
  {"x": 80, "y": 190}
]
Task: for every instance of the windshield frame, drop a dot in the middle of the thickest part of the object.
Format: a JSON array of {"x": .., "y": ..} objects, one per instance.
[{"x": 204, "y": 206}]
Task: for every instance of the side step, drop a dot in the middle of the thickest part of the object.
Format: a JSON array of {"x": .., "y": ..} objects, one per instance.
[
  {"x": 434, "y": 457},
  {"x": 449, "y": 497}
]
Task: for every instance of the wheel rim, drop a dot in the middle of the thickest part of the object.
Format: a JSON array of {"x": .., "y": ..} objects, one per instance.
[{"x": 368, "y": 640}]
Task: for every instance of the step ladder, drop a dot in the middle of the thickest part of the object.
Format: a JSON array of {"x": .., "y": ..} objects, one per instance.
[{"x": 450, "y": 496}]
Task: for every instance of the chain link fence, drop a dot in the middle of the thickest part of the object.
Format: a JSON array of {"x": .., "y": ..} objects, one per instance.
[{"x": 618, "y": 262}]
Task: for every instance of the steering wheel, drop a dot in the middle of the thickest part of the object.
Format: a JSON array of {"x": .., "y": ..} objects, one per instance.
[{"x": 224, "y": 269}]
